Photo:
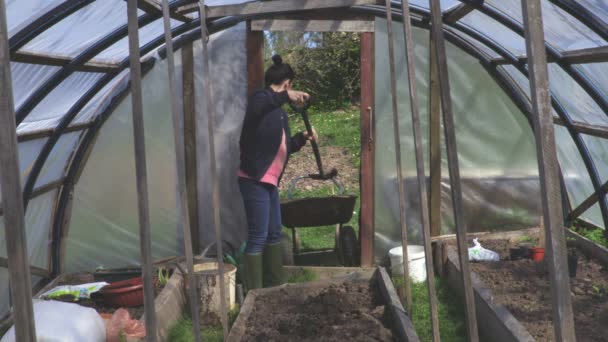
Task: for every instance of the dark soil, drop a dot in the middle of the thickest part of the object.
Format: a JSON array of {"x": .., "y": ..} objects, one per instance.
[
  {"x": 351, "y": 311},
  {"x": 523, "y": 287},
  {"x": 303, "y": 163}
]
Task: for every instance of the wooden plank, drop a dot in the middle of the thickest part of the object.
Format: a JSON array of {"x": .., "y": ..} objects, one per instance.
[
  {"x": 190, "y": 141},
  {"x": 587, "y": 203},
  {"x": 277, "y": 6},
  {"x": 292, "y": 25},
  {"x": 434, "y": 144},
  {"x": 45, "y": 133},
  {"x": 583, "y": 127},
  {"x": 366, "y": 229},
  {"x": 62, "y": 61},
  {"x": 402, "y": 323},
  {"x": 563, "y": 320},
  {"x": 452, "y": 154},
  {"x": 155, "y": 7},
  {"x": 183, "y": 221},
  {"x": 397, "y": 142},
  {"x": 255, "y": 60},
  {"x": 35, "y": 270},
  {"x": 457, "y": 13},
  {"x": 579, "y": 56},
  {"x": 590, "y": 248},
  {"x": 10, "y": 185},
  {"x": 141, "y": 171},
  {"x": 208, "y": 112},
  {"x": 420, "y": 174}
]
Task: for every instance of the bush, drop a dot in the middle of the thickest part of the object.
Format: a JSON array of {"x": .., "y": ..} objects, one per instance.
[{"x": 326, "y": 64}]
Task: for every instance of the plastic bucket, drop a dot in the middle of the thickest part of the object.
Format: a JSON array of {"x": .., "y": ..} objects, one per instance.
[
  {"x": 416, "y": 263},
  {"x": 209, "y": 289}
]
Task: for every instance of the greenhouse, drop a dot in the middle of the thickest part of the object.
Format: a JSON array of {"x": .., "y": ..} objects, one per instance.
[{"x": 120, "y": 123}]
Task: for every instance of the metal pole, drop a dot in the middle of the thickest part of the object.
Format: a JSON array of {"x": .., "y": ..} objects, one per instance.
[
  {"x": 207, "y": 109},
  {"x": 181, "y": 188},
  {"x": 422, "y": 194},
  {"x": 12, "y": 200},
  {"x": 452, "y": 154},
  {"x": 397, "y": 136},
  {"x": 140, "y": 170},
  {"x": 563, "y": 321}
]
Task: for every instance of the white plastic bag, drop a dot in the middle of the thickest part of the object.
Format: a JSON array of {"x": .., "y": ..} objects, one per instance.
[
  {"x": 478, "y": 253},
  {"x": 64, "y": 322}
]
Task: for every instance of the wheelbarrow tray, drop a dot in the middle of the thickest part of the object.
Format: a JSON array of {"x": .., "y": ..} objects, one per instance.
[{"x": 319, "y": 211}]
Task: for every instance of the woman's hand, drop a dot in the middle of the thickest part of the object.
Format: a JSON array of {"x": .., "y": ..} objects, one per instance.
[
  {"x": 314, "y": 135},
  {"x": 297, "y": 97}
]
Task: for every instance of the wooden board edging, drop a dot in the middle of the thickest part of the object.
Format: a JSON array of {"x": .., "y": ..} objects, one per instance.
[
  {"x": 496, "y": 323},
  {"x": 589, "y": 248},
  {"x": 401, "y": 320}
]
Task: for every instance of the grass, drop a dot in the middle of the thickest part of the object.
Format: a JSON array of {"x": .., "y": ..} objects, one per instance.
[
  {"x": 336, "y": 128},
  {"x": 452, "y": 326},
  {"x": 595, "y": 235},
  {"x": 182, "y": 331},
  {"x": 302, "y": 277}
]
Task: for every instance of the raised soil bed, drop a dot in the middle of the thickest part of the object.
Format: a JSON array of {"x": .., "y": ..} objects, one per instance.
[
  {"x": 357, "y": 307},
  {"x": 513, "y": 297}
]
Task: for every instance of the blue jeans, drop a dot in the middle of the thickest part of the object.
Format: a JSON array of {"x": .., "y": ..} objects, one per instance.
[{"x": 263, "y": 210}]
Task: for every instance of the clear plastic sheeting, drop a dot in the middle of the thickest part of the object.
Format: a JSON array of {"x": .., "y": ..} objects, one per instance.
[
  {"x": 104, "y": 227},
  {"x": 20, "y": 12},
  {"x": 82, "y": 29},
  {"x": 119, "y": 51},
  {"x": 37, "y": 225},
  {"x": 49, "y": 112},
  {"x": 577, "y": 102},
  {"x": 478, "y": 45},
  {"x": 26, "y": 78},
  {"x": 598, "y": 74},
  {"x": 598, "y": 7},
  {"x": 103, "y": 98},
  {"x": 561, "y": 29},
  {"x": 598, "y": 149},
  {"x": 28, "y": 152},
  {"x": 495, "y": 146},
  {"x": 573, "y": 169},
  {"x": 55, "y": 166},
  {"x": 496, "y": 31},
  {"x": 445, "y": 4},
  {"x": 5, "y": 298}
]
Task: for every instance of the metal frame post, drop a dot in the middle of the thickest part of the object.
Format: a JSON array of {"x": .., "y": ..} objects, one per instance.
[
  {"x": 208, "y": 110},
  {"x": 422, "y": 193},
  {"x": 12, "y": 199},
  {"x": 397, "y": 136},
  {"x": 563, "y": 320},
  {"x": 452, "y": 154},
  {"x": 140, "y": 170},
  {"x": 183, "y": 222}
]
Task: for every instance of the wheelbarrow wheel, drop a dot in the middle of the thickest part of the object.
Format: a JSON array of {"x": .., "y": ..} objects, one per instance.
[
  {"x": 348, "y": 246},
  {"x": 287, "y": 249}
]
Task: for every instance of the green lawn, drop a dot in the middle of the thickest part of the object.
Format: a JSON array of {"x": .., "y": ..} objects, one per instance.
[{"x": 452, "y": 326}]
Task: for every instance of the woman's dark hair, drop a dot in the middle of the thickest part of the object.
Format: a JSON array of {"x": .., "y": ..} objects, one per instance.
[{"x": 278, "y": 72}]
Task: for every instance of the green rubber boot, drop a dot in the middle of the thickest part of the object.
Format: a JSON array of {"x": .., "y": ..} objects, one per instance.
[
  {"x": 253, "y": 271},
  {"x": 273, "y": 265}
]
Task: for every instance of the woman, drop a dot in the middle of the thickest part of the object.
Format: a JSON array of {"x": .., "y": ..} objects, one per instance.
[{"x": 266, "y": 144}]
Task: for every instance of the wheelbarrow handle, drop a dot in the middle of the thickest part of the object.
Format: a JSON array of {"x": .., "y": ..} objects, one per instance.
[{"x": 295, "y": 181}]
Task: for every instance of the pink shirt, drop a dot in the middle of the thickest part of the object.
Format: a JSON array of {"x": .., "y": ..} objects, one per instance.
[{"x": 274, "y": 171}]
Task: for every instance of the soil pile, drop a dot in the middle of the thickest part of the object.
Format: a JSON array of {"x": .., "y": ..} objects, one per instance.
[
  {"x": 523, "y": 287},
  {"x": 351, "y": 311}
]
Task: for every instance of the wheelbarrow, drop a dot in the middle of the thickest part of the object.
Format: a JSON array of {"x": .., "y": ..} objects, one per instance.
[{"x": 321, "y": 211}]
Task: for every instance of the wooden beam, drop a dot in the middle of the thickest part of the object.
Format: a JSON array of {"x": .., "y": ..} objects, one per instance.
[
  {"x": 313, "y": 25},
  {"x": 62, "y": 61},
  {"x": 154, "y": 7},
  {"x": 255, "y": 59},
  {"x": 366, "y": 230},
  {"x": 37, "y": 271},
  {"x": 206, "y": 113},
  {"x": 563, "y": 320},
  {"x": 457, "y": 13},
  {"x": 587, "y": 203},
  {"x": 397, "y": 146},
  {"x": 452, "y": 154},
  {"x": 434, "y": 144},
  {"x": 12, "y": 198},
  {"x": 183, "y": 220},
  {"x": 45, "y": 133},
  {"x": 141, "y": 172},
  {"x": 585, "y": 128},
  {"x": 580, "y": 56},
  {"x": 276, "y": 6},
  {"x": 420, "y": 174}
]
